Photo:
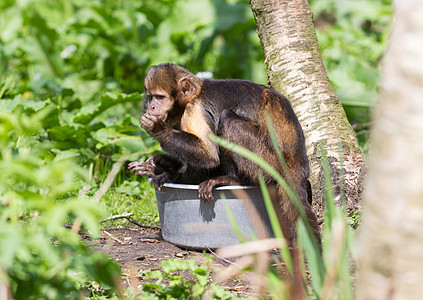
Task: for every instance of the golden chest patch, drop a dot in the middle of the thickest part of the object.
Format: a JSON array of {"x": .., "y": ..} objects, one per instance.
[{"x": 193, "y": 121}]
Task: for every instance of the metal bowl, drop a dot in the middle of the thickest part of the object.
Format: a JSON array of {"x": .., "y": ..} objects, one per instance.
[{"x": 188, "y": 222}]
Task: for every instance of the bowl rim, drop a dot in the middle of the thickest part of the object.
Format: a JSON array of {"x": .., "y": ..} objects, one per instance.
[{"x": 183, "y": 186}]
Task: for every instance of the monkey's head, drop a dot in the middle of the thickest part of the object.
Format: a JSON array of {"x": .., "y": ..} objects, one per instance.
[{"x": 168, "y": 89}]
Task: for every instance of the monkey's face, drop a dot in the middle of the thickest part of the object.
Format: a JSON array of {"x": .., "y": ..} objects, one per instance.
[
  {"x": 168, "y": 88},
  {"x": 158, "y": 103}
]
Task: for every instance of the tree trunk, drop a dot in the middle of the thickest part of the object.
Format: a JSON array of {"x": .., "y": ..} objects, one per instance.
[
  {"x": 295, "y": 68},
  {"x": 391, "y": 235}
]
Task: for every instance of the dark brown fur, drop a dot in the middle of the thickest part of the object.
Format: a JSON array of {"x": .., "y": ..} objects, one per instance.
[{"x": 235, "y": 110}]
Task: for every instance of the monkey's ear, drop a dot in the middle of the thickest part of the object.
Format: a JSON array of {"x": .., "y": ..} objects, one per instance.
[{"x": 187, "y": 87}]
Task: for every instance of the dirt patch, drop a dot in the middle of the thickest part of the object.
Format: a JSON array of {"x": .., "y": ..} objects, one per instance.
[{"x": 138, "y": 249}]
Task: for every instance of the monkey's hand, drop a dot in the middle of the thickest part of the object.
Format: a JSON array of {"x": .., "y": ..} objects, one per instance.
[
  {"x": 143, "y": 168},
  {"x": 153, "y": 124},
  {"x": 149, "y": 169}
]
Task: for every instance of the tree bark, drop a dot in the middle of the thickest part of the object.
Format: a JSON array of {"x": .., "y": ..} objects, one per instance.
[
  {"x": 391, "y": 236},
  {"x": 295, "y": 68}
]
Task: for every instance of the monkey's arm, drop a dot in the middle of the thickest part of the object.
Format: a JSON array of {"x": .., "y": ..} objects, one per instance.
[
  {"x": 158, "y": 167},
  {"x": 196, "y": 151},
  {"x": 162, "y": 168}
]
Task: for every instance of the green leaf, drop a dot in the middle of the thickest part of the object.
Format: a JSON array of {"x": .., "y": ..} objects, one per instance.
[
  {"x": 107, "y": 101},
  {"x": 10, "y": 104},
  {"x": 40, "y": 46},
  {"x": 68, "y": 136},
  {"x": 109, "y": 136},
  {"x": 10, "y": 23}
]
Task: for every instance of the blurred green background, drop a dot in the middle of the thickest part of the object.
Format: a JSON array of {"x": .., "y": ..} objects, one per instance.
[
  {"x": 78, "y": 50},
  {"x": 71, "y": 79}
]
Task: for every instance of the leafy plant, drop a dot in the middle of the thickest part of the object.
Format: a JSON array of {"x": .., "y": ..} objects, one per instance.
[
  {"x": 39, "y": 256},
  {"x": 186, "y": 280},
  {"x": 352, "y": 38}
]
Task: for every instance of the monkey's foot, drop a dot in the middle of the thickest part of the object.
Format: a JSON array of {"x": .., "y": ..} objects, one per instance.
[
  {"x": 159, "y": 180},
  {"x": 205, "y": 191}
]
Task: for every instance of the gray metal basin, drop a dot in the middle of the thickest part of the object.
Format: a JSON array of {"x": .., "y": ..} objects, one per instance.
[{"x": 188, "y": 222}]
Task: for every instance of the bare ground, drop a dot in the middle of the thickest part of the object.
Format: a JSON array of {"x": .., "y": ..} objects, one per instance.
[{"x": 136, "y": 249}]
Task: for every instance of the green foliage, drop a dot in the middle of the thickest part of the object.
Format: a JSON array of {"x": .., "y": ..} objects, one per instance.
[
  {"x": 91, "y": 46},
  {"x": 39, "y": 256},
  {"x": 81, "y": 55},
  {"x": 352, "y": 37},
  {"x": 186, "y": 280}
]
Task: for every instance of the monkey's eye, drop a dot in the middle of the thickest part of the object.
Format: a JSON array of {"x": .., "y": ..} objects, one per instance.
[{"x": 159, "y": 97}]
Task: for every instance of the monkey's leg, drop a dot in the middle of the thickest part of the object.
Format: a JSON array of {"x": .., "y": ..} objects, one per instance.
[
  {"x": 252, "y": 136},
  {"x": 229, "y": 123}
]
